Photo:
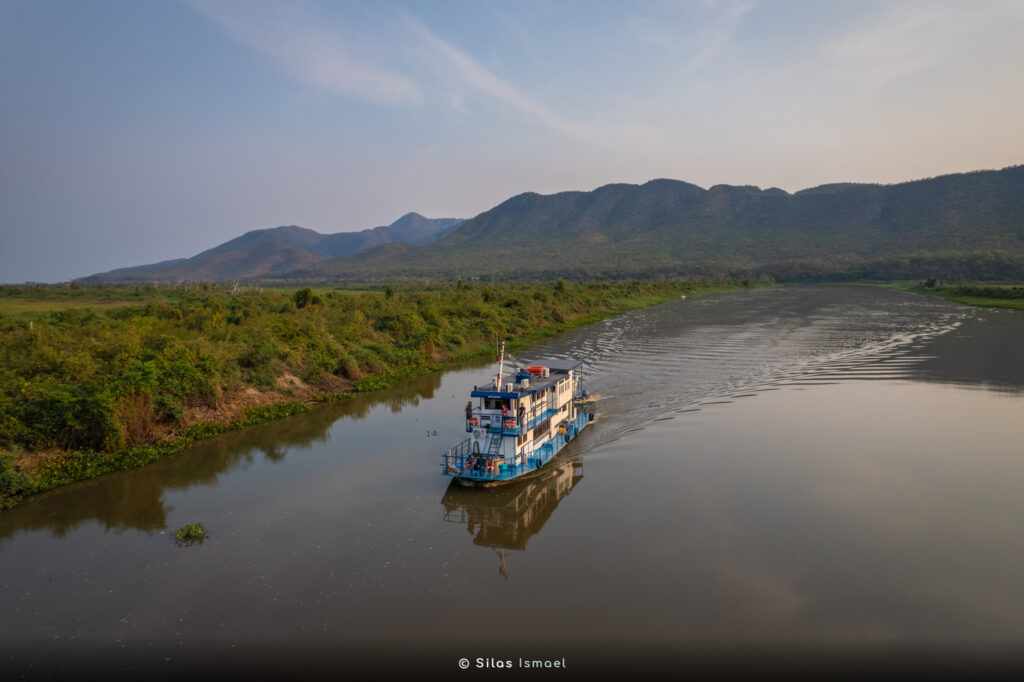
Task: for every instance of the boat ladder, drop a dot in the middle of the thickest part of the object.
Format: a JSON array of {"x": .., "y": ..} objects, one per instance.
[{"x": 495, "y": 446}]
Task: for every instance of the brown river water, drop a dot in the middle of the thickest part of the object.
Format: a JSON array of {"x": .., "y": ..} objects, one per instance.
[{"x": 799, "y": 477}]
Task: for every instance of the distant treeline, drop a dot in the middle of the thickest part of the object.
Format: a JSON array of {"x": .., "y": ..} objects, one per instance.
[
  {"x": 979, "y": 291},
  {"x": 950, "y": 267},
  {"x": 976, "y": 294},
  {"x": 985, "y": 265},
  {"x": 103, "y": 378}
]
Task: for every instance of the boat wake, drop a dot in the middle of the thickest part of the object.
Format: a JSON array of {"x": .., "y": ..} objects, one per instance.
[{"x": 658, "y": 363}]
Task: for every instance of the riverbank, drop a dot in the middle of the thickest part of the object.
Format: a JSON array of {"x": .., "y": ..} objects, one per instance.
[
  {"x": 85, "y": 391},
  {"x": 977, "y": 294}
]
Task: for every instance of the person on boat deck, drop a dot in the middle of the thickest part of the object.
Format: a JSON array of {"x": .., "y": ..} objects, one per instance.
[
  {"x": 522, "y": 413},
  {"x": 469, "y": 410},
  {"x": 504, "y": 412}
]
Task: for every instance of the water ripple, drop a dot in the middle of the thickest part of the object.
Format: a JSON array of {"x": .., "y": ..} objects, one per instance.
[{"x": 659, "y": 362}]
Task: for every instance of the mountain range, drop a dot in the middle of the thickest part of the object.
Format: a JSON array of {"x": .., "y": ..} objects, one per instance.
[
  {"x": 272, "y": 252},
  {"x": 952, "y": 225}
]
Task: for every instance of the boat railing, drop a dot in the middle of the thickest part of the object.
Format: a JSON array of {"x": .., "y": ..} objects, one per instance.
[
  {"x": 460, "y": 450},
  {"x": 540, "y": 418},
  {"x": 463, "y": 462},
  {"x": 510, "y": 425},
  {"x": 479, "y": 466},
  {"x": 505, "y": 425},
  {"x": 478, "y": 419},
  {"x": 494, "y": 424}
]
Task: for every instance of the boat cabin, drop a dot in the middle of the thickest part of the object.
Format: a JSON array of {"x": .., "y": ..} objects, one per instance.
[{"x": 519, "y": 421}]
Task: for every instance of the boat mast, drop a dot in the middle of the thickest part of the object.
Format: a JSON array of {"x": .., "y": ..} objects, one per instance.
[{"x": 501, "y": 365}]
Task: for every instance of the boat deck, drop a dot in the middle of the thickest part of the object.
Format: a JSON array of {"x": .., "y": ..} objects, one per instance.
[{"x": 461, "y": 462}]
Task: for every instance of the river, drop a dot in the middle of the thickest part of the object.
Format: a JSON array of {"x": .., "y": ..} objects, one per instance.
[{"x": 788, "y": 474}]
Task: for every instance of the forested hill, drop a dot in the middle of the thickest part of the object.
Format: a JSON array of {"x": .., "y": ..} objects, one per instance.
[
  {"x": 969, "y": 224},
  {"x": 272, "y": 252}
]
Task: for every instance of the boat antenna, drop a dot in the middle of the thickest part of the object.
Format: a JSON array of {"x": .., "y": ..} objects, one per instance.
[{"x": 501, "y": 364}]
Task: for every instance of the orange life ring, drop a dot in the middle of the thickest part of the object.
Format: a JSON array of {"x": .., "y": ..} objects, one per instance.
[
  {"x": 509, "y": 424},
  {"x": 473, "y": 421}
]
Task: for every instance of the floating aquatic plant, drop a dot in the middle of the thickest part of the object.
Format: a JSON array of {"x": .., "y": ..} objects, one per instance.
[{"x": 190, "y": 533}]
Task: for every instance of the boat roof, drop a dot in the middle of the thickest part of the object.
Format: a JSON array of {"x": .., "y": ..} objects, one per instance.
[
  {"x": 556, "y": 365},
  {"x": 559, "y": 368}
]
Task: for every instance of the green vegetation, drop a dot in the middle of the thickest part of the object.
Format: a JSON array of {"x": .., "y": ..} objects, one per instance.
[
  {"x": 14, "y": 306},
  {"x": 190, "y": 533},
  {"x": 12, "y": 481},
  {"x": 951, "y": 266},
  {"x": 70, "y": 466},
  {"x": 983, "y": 295},
  {"x": 85, "y": 391}
]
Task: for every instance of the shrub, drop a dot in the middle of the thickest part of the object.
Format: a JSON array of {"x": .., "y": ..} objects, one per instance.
[
  {"x": 305, "y": 298},
  {"x": 13, "y": 483}
]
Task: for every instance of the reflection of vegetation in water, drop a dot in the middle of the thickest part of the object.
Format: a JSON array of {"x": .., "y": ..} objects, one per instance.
[
  {"x": 507, "y": 516},
  {"x": 117, "y": 502},
  {"x": 65, "y": 468},
  {"x": 134, "y": 499}
]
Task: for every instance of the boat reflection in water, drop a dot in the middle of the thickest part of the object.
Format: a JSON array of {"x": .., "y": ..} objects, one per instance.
[{"x": 506, "y": 517}]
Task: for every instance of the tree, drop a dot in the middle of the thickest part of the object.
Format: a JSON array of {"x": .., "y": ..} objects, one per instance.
[{"x": 305, "y": 298}]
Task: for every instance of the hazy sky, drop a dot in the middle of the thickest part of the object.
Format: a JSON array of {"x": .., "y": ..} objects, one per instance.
[{"x": 140, "y": 130}]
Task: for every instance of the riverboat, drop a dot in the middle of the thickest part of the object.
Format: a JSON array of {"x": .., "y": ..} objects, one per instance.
[{"x": 519, "y": 422}]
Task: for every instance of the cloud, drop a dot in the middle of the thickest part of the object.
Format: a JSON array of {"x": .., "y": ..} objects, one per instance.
[
  {"x": 323, "y": 58},
  {"x": 470, "y": 75},
  {"x": 718, "y": 21},
  {"x": 311, "y": 52},
  {"x": 903, "y": 40},
  {"x": 717, "y": 38}
]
